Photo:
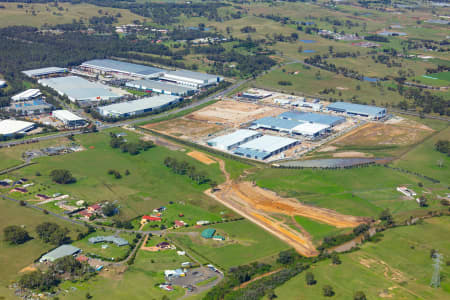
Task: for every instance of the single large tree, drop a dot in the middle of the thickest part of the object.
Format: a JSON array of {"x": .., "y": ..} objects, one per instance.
[{"x": 62, "y": 176}]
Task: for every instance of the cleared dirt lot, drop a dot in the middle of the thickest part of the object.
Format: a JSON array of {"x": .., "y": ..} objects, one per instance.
[
  {"x": 185, "y": 129},
  {"x": 372, "y": 134},
  {"x": 233, "y": 113}
]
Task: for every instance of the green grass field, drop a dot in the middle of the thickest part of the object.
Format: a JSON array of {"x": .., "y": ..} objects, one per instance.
[
  {"x": 398, "y": 266},
  {"x": 424, "y": 158},
  {"x": 12, "y": 15},
  {"x": 245, "y": 242},
  {"x": 149, "y": 185},
  {"x": 316, "y": 229},
  {"x": 358, "y": 191},
  {"x": 15, "y": 258}
]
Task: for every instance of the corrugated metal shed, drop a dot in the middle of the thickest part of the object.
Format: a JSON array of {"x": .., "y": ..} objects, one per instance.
[
  {"x": 357, "y": 109},
  {"x": 312, "y": 118},
  {"x": 276, "y": 123},
  {"x": 229, "y": 140},
  {"x": 269, "y": 143},
  {"x": 44, "y": 71},
  {"x": 61, "y": 251},
  {"x": 109, "y": 65},
  {"x": 138, "y": 106}
]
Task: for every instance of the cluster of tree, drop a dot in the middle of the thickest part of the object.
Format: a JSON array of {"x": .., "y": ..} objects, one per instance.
[
  {"x": 386, "y": 217},
  {"x": 376, "y": 38},
  {"x": 62, "y": 176},
  {"x": 110, "y": 209},
  {"x": 64, "y": 268},
  {"x": 248, "y": 29},
  {"x": 15, "y": 235},
  {"x": 320, "y": 62},
  {"x": 185, "y": 168},
  {"x": 284, "y": 82},
  {"x": 335, "y": 240},
  {"x": 443, "y": 146},
  {"x": 133, "y": 148},
  {"x": 116, "y": 173},
  {"x": 52, "y": 233},
  {"x": 122, "y": 224},
  {"x": 430, "y": 102}
]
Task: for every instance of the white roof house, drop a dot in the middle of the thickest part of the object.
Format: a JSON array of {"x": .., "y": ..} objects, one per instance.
[
  {"x": 26, "y": 95},
  {"x": 10, "y": 127},
  {"x": 232, "y": 140},
  {"x": 2, "y": 83},
  {"x": 61, "y": 251}
]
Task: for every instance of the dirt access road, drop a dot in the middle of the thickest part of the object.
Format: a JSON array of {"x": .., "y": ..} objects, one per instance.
[{"x": 256, "y": 204}]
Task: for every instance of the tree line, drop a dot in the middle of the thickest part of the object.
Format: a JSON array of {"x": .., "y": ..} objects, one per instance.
[{"x": 185, "y": 168}]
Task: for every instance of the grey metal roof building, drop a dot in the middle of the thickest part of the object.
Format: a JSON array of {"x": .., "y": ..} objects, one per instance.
[
  {"x": 44, "y": 71},
  {"x": 277, "y": 124},
  {"x": 233, "y": 140},
  {"x": 190, "y": 78},
  {"x": 137, "y": 107},
  {"x": 109, "y": 65},
  {"x": 312, "y": 118},
  {"x": 79, "y": 89},
  {"x": 161, "y": 87},
  {"x": 110, "y": 239},
  {"x": 369, "y": 111},
  {"x": 61, "y": 251},
  {"x": 265, "y": 146}
]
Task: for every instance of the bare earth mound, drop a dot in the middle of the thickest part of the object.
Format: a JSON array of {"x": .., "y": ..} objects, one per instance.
[{"x": 201, "y": 157}]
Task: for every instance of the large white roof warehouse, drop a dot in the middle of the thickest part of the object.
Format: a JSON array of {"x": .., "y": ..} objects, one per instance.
[
  {"x": 137, "y": 107},
  {"x": 265, "y": 146},
  {"x": 193, "y": 79},
  {"x": 233, "y": 140},
  {"x": 161, "y": 87},
  {"x": 44, "y": 71},
  {"x": 10, "y": 127},
  {"x": 109, "y": 65},
  {"x": 79, "y": 89},
  {"x": 26, "y": 95}
]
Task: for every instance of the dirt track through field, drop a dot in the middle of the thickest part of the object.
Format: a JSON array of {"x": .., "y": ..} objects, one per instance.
[{"x": 256, "y": 204}]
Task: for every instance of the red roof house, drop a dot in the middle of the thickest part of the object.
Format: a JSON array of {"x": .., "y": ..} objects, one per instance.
[
  {"x": 151, "y": 218},
  {"x": 82, "y": 258},
  {"x": 179, "y": 224},
  {"x": 94, "y": 208}
]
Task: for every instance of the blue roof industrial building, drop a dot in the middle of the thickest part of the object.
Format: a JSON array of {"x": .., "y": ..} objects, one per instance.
[{"x": 312, "y": 118}]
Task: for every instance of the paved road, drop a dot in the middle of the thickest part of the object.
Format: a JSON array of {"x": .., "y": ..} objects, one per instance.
[{"x": 134, "y": 121}]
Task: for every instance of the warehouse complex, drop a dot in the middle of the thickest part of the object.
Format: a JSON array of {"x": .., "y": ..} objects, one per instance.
[
  {"x": 265, "y": 146},
  {"x": 193, "y": 79},
  {"x": 11, "y": 127},
  {"x": 372, "y": 112},
  {"x": 137, "y": 107},
  {"x": 312, "y": 118},
  {"x": 109, "y": 66},
  {"x": 233, "y": 140},
  {"x": 161, "y": 87},
  {"x": 44, "y": 72},
  {"x": 78, "y": 89},
  {"x": 68, "y": 118}
]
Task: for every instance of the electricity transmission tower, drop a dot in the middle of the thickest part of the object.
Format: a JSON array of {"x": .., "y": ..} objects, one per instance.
[{"x": 436, "y": 279}]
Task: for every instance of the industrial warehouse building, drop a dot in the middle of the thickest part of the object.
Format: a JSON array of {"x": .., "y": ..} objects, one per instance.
[
  {"x": 29, "y": 94},
  {"x": 233, "y": 140},
  {"x": 43, "y": 72},
  {"x": 291, "y": 126},
  {"x": 265, "y": 146},
  {"x": 68, "y": 118},
  {"x": 161, "y": 87},
  {"x": 31, "y": 107},
  {"x": 312, "y": 118},
  {"x": 104, "y": 66},
  {"x": 193, "y": 79},
  {"x": 11, "y": 127},
  {"x": 137, "y": 107},
  {"x": 78, "y": 89},
  {"x": 60, "y": 252},
  {"x": 372, "y": 112}
]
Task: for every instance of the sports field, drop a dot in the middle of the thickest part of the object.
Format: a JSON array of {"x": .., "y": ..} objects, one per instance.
[{"x": 397, "y": 267}]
